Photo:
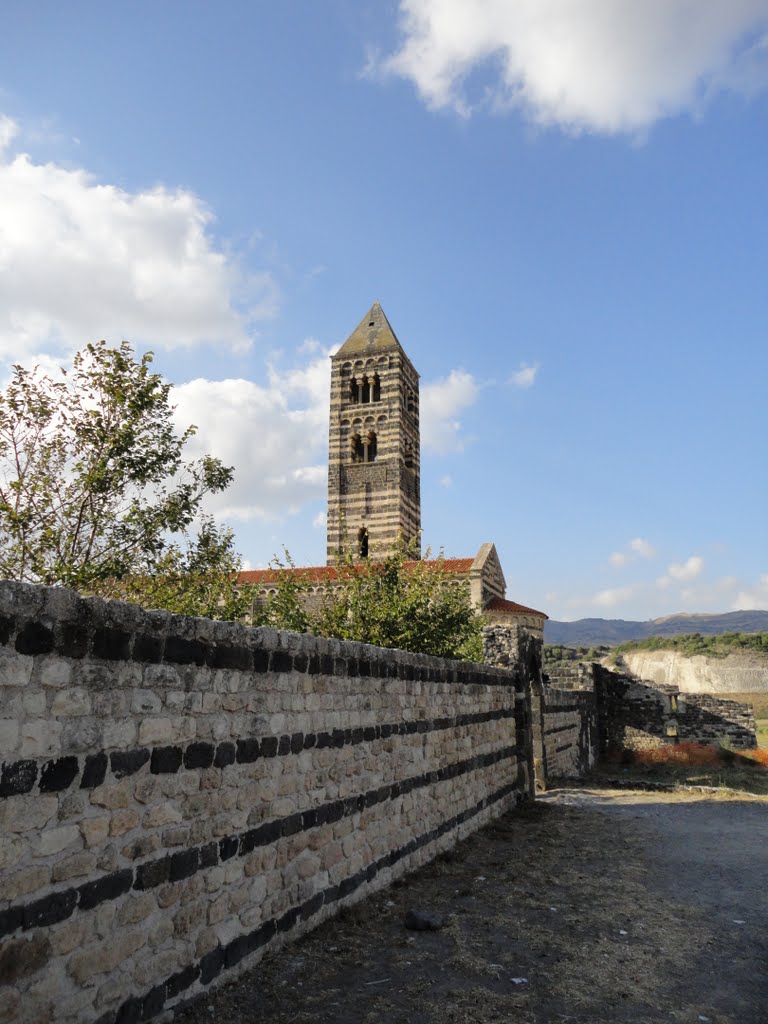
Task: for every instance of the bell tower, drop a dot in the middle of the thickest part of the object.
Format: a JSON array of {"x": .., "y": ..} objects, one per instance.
[{"x": 373, "y": 462}]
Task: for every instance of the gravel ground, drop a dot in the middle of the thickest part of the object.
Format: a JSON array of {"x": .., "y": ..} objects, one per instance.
[{"x": 593, "y": 906}]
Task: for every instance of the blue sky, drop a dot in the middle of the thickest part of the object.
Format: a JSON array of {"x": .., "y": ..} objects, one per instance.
[{"x": 562, "y": 208}]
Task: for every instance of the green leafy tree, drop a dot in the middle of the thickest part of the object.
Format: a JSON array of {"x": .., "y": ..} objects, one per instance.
[
  {"x": 288, "y": 607},
  {"x": 95, "y": 492},
  {"x": 398, "y": 602},
  {"x": 195, "y": 578}
]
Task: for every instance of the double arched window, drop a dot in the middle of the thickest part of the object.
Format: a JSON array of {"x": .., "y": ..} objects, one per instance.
[
  {"x": 363, "y": 448},
  {"x": 365, "y": 389}
]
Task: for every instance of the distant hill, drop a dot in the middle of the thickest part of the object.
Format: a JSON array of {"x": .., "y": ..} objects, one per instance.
[{"x": 589, "y": 632}]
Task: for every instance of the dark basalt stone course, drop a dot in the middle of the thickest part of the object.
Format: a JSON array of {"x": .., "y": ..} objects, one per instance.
[
  {"x": 185, "y": 863},
  {"x": 210, "y": 966}
]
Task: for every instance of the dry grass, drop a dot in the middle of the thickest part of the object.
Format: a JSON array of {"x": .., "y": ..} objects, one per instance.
[{"x": 689, "y": 764}]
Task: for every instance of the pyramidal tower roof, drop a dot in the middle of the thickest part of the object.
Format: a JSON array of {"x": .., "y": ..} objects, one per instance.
[{"x": 373, "y": 334}]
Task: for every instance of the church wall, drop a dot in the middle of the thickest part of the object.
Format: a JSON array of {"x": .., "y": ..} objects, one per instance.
[{"x": 179, "y": 795}]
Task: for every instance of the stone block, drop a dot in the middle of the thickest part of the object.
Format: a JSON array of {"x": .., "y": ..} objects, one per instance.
[
  {"x": 104, "y": 957},
  {"x": 123, "y": 820},
  {"x": 120, "y": 733},
  {"x": 109, "y": 887},
  {"x": 161, "y": 966},
  {"x": 162, "y": 814},
  {"x": 218, "y": 910},
  {"x": 71, "y": 934},
  {"x": 24, "y": 813},
  {"x": 17, "y": 777},
  {"x": 12, "y": 850},
  {"x": 80, "y": 735},
  {"x": 168, "y": 895},
  {"x": 127, "y": 762},
  {"x": 178, "y": 836},
  {"x": 40, "y": 738},
  {"x": 51, "y": 909},
  {"x": 9, "y": 735},
  {"x": 94, "y": 770},
  {"x": 113, "y": 795},
  {"x": 14, "y": 671},
  {"x": 141, "y": 847},
  {"x": 146, "y": 702},
  {"x": 59, "y": 774},
  {"x": 160, "y": 932},
  {"x": 155, "y": 730},
  {"x": 137, "y": 908},
  {"x": 71, "y": 703},
  {"x": 94, "y": 830}
]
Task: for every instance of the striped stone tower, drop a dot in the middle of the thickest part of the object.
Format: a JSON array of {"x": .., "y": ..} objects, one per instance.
[{"x": 373, "y": 463}]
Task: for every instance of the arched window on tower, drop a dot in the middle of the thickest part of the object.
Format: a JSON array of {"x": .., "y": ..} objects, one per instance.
[
  {"x": 365, "y": 394},
  {"x": 370, "y": 445},
  {"x": 353, "y": 392},
  {"x": 362, "y": 542},
  {"x": 356, "y": 448},
  {"x": 376, "y": 388}
]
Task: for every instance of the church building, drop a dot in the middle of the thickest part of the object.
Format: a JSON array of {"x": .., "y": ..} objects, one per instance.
[{"x": 374, "y": 496}]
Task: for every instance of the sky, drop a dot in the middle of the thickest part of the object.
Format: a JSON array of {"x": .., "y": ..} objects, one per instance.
[{"x": 560, "y": 204}]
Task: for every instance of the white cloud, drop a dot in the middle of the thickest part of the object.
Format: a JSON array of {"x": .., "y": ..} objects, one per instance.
[
  {"x": 638, "y": 547},
  {"x": 8, "y": 132},
  {"x": 446, "y": 480},
  {"x": 81, "y": 260},
  {"x": 682, "y": 571},
  {"x": 276, "y": 437},
  {"x": 320, "y": 521},
  {"x": 596, "y": 65},
  {"x": 525, "y": 376},
  {"x": 754, "y": 598},
  {"x": 642, "y": 547},
  {"x": 441, "y": 402}
]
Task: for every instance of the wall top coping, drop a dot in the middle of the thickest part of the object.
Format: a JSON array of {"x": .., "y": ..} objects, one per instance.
[{"x": 46, "y": 620}]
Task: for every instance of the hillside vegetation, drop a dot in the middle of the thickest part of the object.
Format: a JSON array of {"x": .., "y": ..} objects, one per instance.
[
  {"x": 719, "y": 646},
  {"x": 593, "y": 632}
]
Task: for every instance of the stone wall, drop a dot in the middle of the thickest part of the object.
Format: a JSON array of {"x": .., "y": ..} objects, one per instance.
[
  {"x": 569, "y": 733},
  {"x": 634, "y": 714},
  {"x": 564, "y": 734},
  {"x": 178, "y": 795}
]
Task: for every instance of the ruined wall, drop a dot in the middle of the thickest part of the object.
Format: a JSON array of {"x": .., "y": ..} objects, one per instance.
[
  {"x": 569, "y": 732},
  {"x": 564, "y": 731},
  {"x": 177, "y": 795},
  {"x": 634, "y": 715}
]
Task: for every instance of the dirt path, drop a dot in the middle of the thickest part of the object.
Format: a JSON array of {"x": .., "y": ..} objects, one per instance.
[{"x": 593, "y": 907}]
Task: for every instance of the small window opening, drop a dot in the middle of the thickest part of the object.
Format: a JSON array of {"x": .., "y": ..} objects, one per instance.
[
  {"x": 376, "y": 388},
  {"x": 370, "y": 445},
  {"x": 356, "y": 449},
  {"x": 372, "y": 323},
  {"x": 365, "y": 394},
  {"x": 353, "y": 392},
  {"x": 362, "y": 542}
]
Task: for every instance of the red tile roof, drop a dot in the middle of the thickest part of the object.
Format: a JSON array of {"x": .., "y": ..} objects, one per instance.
[
  {"x": 329, "y": 573},
  {"x": 499, "y": 604}
]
